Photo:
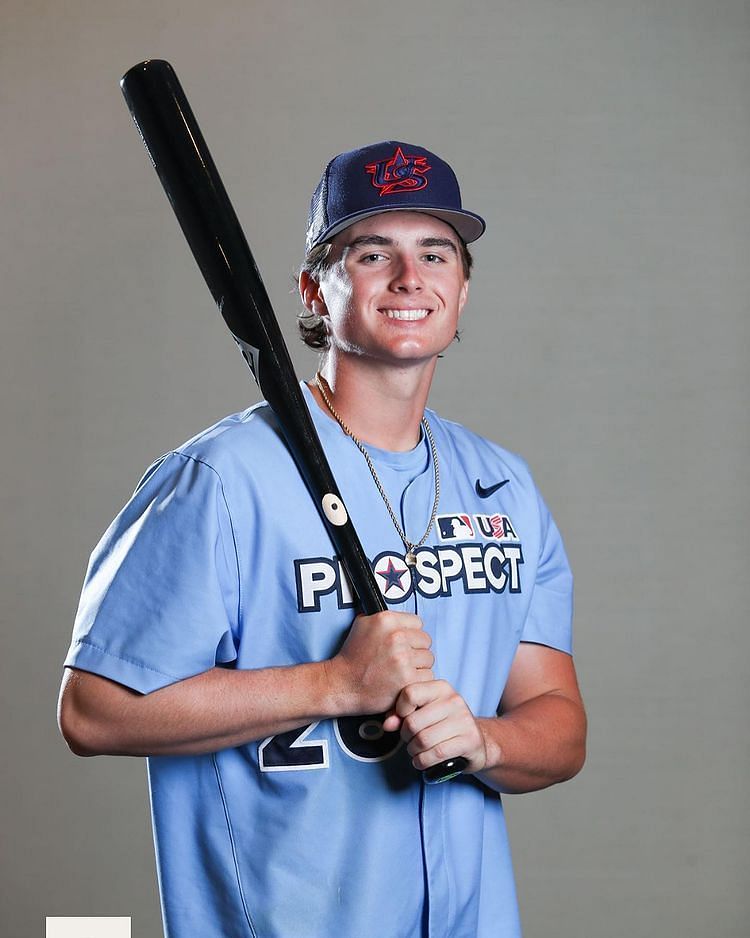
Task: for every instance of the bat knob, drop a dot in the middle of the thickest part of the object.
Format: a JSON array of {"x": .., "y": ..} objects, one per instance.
[{"x": 444, "y": 771}]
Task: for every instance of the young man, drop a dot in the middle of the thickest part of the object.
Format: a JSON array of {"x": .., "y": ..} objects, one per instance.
[{"x": 215, "y": 631}]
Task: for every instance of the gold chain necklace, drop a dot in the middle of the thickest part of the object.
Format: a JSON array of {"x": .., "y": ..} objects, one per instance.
[{"x": 411, "y": 547}]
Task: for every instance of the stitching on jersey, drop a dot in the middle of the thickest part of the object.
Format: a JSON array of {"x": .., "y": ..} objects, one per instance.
[
  {"x": 449, "y": 866},
  {"x": 236, "y": 552},
  {"x": 245, "y": 909},
  {"x": 201, "y": 462},
  {"x": 109, "y": 654}
]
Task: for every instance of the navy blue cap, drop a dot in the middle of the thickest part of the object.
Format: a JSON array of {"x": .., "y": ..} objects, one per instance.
[{"x": 387, "y": 177}]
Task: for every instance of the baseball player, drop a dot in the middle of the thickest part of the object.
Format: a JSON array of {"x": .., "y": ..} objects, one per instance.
[{"x": 217, "y": 633}]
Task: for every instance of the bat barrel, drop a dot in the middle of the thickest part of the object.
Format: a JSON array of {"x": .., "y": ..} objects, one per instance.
[{"x": 193, "y": 185}]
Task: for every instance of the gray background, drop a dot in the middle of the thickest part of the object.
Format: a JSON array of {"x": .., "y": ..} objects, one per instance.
[{"x": 606, "y": 339}]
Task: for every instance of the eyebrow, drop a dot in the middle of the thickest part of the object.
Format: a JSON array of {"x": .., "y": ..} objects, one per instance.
[
  {"x": 380, "y": 241},
  {"x": 369, "y": 239},
  {"x": 439, "y": 243}
]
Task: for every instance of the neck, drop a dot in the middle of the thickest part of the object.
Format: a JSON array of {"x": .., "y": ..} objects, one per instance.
[{"x": 381, "y": 406}]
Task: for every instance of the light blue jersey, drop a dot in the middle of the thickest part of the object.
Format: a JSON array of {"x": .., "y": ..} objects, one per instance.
[{"x": 221, "y": 559}]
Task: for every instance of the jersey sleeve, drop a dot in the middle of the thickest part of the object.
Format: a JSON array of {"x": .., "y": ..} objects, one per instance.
[
  {"x": 550, "y": 617},
  {"x": 160, "y": 600}
]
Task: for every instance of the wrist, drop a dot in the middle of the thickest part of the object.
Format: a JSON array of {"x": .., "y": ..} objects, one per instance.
[
  {"x": 489, "y": 727},
  {"x": 336, "y": 693}
]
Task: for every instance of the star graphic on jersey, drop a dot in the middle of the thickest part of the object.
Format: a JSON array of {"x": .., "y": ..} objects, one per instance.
[{"x": 392, "y": 576}]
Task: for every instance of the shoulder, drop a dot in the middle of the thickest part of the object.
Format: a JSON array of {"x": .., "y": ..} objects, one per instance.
[
  {"x": 476, "y": 453},
  {"x": 233, "y": 436},
  {"x": 239, "y": 445},
  {"x": 230, "y": 441}
]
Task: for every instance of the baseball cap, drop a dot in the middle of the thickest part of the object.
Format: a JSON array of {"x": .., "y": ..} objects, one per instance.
[{"x": 386, "y": 177}]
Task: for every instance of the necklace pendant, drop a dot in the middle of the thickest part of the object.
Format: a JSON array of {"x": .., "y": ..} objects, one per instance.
[{"x": 410, "y": 559}]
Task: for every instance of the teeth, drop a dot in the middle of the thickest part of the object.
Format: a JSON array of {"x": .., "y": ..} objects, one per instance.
[{"x": 408, "y": 314}]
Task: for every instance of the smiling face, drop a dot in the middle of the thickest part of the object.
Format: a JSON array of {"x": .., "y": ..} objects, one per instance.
[{"x": 394, "y": 290}]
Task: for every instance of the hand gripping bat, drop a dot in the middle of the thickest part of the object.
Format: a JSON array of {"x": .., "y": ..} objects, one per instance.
[{"x": 192, "y": 183}]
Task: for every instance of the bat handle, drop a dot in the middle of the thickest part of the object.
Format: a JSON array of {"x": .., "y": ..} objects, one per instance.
[{"x": 372, "y": 602}]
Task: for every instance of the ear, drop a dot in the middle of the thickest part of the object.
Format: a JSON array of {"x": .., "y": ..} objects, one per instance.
[
  {"x": 462, "y": 297},
  {"x": 311, "y": 294}
]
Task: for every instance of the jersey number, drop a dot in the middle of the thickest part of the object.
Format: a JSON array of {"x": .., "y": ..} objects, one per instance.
[{"x": 361, "y": 738}]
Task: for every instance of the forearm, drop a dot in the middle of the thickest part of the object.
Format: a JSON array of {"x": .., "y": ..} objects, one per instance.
[
  {"x": 215, "y": 710},
  {"x": 539, "y": 743},
  {"x": 224, "y": 708}
]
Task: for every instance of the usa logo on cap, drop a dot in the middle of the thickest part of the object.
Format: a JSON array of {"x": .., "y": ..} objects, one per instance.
[{"x": 400, "y": 173}]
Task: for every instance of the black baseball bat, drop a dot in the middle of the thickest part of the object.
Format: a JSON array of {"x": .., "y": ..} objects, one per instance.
[{"x": 173, "y": 139}]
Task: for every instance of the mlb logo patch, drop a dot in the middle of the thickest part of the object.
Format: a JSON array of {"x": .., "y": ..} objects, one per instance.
[
  {"x": 85, "y": 926},
  {"x": 454, "y": 527}
]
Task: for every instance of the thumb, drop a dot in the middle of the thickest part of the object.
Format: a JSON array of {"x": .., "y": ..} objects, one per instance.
[{"x": 392, "y": 722}]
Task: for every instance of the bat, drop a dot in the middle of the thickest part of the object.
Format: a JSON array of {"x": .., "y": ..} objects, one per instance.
[{"x": 174, "y": 142}]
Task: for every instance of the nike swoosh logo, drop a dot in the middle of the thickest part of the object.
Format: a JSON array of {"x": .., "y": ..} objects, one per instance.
[{"x": 483, "y": 492}]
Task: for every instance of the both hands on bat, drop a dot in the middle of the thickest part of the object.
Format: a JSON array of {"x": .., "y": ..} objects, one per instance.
[{"x": 386, "y": 664}]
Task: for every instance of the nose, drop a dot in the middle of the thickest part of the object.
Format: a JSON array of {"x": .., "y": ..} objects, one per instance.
[{"x": 407, "y": 277}]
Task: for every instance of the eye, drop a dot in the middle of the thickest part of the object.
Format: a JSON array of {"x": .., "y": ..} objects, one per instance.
[
  {"x": 434, "y": 259},
  {"x": 372, "y": 258}
]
